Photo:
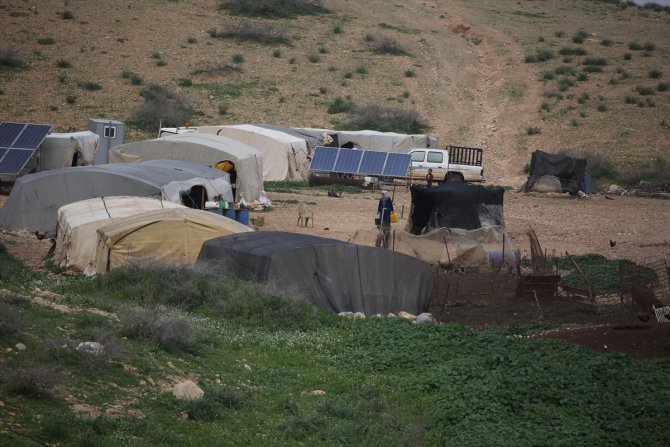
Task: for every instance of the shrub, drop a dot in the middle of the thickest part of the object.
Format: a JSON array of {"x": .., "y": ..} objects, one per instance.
[
  {"x": 409, "y": 73},
  {"x": 323, "y": 90},
  {"x": 655, "y": 73},
  {"x": 313, "y": 58},
  {"x": 167, "y": 331},
  {"x": 648, "y": 46},
  {"x": 63, "y": 63},
  {"x": 386, "y": 119},
  {"x": 369, "y": 38},
  {"x": 337, "y": 29},
  {"x": 31, "y": 380},
  {"x": 273, "y": 8},
  {"x": 256, "y": 32},
  {"x": 565, "y": 83},
  {"x": 539, "y": 56},
  {"x": 582, "y": 76},
  {"x": 91, "y": 86},
  {"x": 627, "y": 56},
  {"x": 70, "y": 99},
  {"x": 662, "y": 86},
  {"x": 46, "y": 41},
  {"x": 184, "y": 82},
  {"x": 9, "y": 322},
  {"x": 238, "y": 58},
  {"x": 601, "y": 107},
  {"x": 136, "y": 80},
  {"x": 566, "y": 51},
  {"x": 583, "y": 98},
  {"x": 215, "y": 69},
  {"x": 559, "y": 33},
  {"x": 546, "y": 107},
  {"x": 635, "y": 46},
  {"x": 161, "y": 63},
  {"x": 192, "y": 39},
  {"x": 323, "y": 50},
  {"x": 388, "y": 45},
  {"x": 593, "y": 69},
  {"x": 574, "y": 123},
  {"x": 547, "y": 75},
  {"x": 9, "y": 57},
  {"x": 606, "y": 42},
  {"x": 223, "y": 108},
  {"x": 644, "y": 91},
  {"x": 580, "y": 36},
  {"x": 67, "y": 15},
  {"x": 276, "y": 53},
  {"x": 594, "y": 61},
  {"x": 341, "y": 105},
  {"x": 126, "y": 74},
  {"x": 348, "y": 74},
  {"x": 161, "y": 105},
  {"x": 292, "y": 60},
  {"x": 564, "y": 70},
  {"x": 532, "y": 130},
  {"x": 362, "y": 70}
]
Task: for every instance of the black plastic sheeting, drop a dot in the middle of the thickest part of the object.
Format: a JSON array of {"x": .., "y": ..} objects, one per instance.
[
  {"x": 334, "y": 275},
  {"x": 569, "y": 170},
  {"x": 456, "y": 205}
]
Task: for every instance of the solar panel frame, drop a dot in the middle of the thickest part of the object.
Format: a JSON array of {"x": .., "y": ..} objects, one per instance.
[
  {"x": 324, "y": 159},
  {"x": 372, "y": 163},
  {"x": 397, "y": 165},
  {"x": 348, "y": 161},
  {"x": 18, "y": 143}
]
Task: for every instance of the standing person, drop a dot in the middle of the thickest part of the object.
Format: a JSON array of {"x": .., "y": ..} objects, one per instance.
[
  {"x": 429, "y": 177},
  {"x": 384, "y": 210}
]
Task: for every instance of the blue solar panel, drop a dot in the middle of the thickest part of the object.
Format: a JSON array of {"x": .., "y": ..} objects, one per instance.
[
  {"x": 18, "y": 143},
  {"x": 348, "y": 161},
  {"x": 324, "y": 159},
  {"x": 372, "y": 163},
  {"x": 14, "y": 161},
  {"x": 397, "y": 165},
  {"x": 32, "y": 136},
  {"x": 9, "y": 132}
]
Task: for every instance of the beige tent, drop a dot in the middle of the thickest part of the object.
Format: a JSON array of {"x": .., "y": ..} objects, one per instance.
[
  {"x": 79, "y": 221},
  {"x": 374, "y": 140},
  {"x": 285, "y": 156},
  {"x": 204, "y": 148},
  {"x": 163, "y": 237},
  {"x": 61, "y": 150}
]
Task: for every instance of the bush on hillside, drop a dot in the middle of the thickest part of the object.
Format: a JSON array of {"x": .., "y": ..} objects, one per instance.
[
  {"x": 273, "y": 8},
  {"x": 341, "y": 105},
  {"x": 9, "y": 57},
  {"x": 161, "y": 105},
  {"x": 255, "y": 32},
  {"x": 388, "y": 45},
  {"x": 387, "y": 119}
]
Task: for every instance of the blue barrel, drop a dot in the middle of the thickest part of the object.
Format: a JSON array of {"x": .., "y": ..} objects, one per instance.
[
  {"x": 229, "y": 213},
  {"x": 215, "y": 211},
  {"x": 586, "y": 184},
  {"x": 242, "y": 216}
]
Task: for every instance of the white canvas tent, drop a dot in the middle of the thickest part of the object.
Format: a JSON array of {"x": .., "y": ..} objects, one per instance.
[
  {"x": 35, "y": 199},
  {"x": 373, "y": 140},
  {"x": 198, "y": 147},
  {"x": 78, "y": 223},
  {"x": 162, "y": 237},
  {"x": 285, "y": 157},
  {"x": 62, "y": 150}
]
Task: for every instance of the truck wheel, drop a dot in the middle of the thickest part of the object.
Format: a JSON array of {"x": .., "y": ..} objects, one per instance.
[{"x": 451, "y": 177}]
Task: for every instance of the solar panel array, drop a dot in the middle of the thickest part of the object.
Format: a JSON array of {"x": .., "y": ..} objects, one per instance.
[
  {"x": 18, "y": 143},
  {"x": 356, "y": 161}
]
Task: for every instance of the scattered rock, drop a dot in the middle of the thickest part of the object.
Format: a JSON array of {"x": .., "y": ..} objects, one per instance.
[
  {"x": 615, "y": 189},
  {"x": 314, "y": 392},
  {"x": 8, "y": 350},
  {"x": 406, "y": 315},
  {"x": 346, "y": 314},
  {"x": 91, "y": 347},
  {"x": 20, "y": 347},
  {"x": 170, "y": 365},
  {"x": 187, "y": 391},
  {"x": 247, "y": 367},
  {"x": 183, "y": 416},
  {"x": 359, "y": 315},
  {"x": 424, "y": 318}
]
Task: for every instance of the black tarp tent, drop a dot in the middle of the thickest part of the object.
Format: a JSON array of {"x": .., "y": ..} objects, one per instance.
[
  {"x": 455, "y": 205},
  {"x": 334, "y": 275},
  {"x": 569, "y": 170}
]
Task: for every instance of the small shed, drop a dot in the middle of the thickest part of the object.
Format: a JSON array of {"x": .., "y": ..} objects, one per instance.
[{"x": 112, "y": 133}]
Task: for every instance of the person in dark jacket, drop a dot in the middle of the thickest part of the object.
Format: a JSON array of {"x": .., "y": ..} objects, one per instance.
[
  {"x": 384, "y": 210},
  {"x": 429, "y": 177}
]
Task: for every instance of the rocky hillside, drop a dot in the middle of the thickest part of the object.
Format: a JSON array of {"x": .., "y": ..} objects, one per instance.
[{"x": 509, "y": 76}]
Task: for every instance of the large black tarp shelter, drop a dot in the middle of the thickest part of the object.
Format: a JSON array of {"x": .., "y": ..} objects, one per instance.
[
  {"x": 334, "y": 275},
  {"x": 455, "y": 205},
  {"x": 569, "y": 170}
]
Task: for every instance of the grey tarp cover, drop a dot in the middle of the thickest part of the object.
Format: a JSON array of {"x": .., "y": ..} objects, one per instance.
[
  {"x": 455, "y": 205},
  {"x": 310, "y": 139},
  {"x": 372, "y": 139},
  {"x": 569, "y": 170},
  {"x": 334, "y": 275},
  {"x": 35, "y": 198}
]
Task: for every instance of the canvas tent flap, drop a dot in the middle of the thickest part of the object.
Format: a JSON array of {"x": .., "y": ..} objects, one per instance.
[
  {"x": 455, "y": 205},
  {"x": 199, "y": 147},
  {"x": 58, "y": 150},
  {"x": 569, "y": 170},
  {"x": 79, "y": 221},
  {"x": 160, "y": 237},
  {"x": 35, "y": 198},
  {"x": 285, "y": 157},
  {"x": 374, "y": 140},
  {"x": 334, "y": 275}
]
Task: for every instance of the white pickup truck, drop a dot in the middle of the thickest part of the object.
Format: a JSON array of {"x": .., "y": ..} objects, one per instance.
[{"x": 453, "y": 163}]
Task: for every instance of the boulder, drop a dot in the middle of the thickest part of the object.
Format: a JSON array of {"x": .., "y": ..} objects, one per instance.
[
  {"x": 424, "y": 318},
  {"x": 91, "y": 347},
  {"x": 406, "y": 315},
  {"x": 187, "y": 390}
]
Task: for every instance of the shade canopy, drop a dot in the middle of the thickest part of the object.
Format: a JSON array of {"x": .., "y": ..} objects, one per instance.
[{"x": 335, "y": 275}]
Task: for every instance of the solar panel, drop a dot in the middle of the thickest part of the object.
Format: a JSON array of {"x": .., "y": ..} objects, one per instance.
[
  {"x": 18, "y": 143},
  {"x": 324, "y": 159},
  {"x": 397, "y": 165},
  {"x": 372, "y": 163},
  {"x": 348, "y": 161},
  {"x": 356, "y": 161}
]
